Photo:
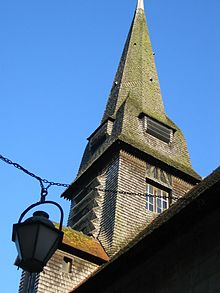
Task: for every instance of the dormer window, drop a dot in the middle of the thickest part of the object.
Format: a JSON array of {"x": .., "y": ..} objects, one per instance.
[
  {"x": 97, "y": 141},
  {"x": 100, "y": 135},
  {"x": 158, "y": 129}
]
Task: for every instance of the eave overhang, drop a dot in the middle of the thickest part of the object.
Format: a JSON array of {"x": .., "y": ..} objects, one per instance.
[
  {"x": 197, "y": 204},
  {"x": 121, "y": 144},
  {"x": 83, "y": 246}
]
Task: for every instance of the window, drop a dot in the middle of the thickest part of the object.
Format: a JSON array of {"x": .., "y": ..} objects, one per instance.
[
  {"x": 157, "y": 200},
  {"x": 67, "y": 265},
  {"x": 100, "y": 135},
  {"x": 158, "y": 130}
]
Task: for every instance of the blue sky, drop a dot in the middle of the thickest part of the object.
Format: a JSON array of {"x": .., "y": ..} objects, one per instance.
[{"x": 57, "y": 63}]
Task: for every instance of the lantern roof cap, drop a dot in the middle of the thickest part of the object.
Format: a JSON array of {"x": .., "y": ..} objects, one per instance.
[{"x": 40, "y": 216}]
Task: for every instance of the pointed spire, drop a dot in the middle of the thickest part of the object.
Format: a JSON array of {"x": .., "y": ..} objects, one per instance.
[
  {"x": 140, "y": 4},
  {"x": 137, "y": 74},
  {"x": 135, "y": 95}
]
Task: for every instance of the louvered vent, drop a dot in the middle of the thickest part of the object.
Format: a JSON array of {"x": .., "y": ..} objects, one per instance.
[
  {"x": 100, "y": 135},
  {"x": 158, "y": 130}
]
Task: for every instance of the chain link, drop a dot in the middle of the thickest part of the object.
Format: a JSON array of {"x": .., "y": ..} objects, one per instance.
[
  {"x": 133, "y": 193},
  {"x": 44, "y": 190},
  {"x": 19, "y": 167}
]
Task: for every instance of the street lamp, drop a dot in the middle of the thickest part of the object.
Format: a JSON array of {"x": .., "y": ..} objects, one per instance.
[{"x": 36, "y": 238}]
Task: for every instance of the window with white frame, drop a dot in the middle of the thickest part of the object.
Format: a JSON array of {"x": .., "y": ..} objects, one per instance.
[{"x": 157, "y": 200}]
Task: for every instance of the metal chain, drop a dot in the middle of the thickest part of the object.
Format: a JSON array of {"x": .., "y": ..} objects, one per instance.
[
  {"x": 134, "y": 193},
  {"x": 42, "y": 181},
  {"x": 44, "y": 190}
]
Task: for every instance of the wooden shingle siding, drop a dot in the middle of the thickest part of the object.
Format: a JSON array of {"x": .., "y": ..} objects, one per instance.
[
  {"x": 56, "y": 280},
  {"x": 122, "y": 155},
  {"x": 107, "y": 218},
  {"x": 117, "y": 218},
  {"x": 180, "y": 187}
]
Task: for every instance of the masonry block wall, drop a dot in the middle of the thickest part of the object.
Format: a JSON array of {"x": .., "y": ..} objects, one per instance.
[{"x": 58, "y": 276}]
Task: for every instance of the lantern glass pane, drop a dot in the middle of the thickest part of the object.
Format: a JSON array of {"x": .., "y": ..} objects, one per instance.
[
  {"x": 26, "y": 236},
  {"x": 47, "y": 243},
  {"x": 18, "y": 247}
]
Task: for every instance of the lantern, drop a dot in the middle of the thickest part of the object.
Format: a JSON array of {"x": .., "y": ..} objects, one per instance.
[{"x": 36, "y": 240}]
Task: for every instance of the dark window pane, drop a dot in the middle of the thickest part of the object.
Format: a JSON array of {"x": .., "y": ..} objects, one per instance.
[
  {"x": 159, "y": 202},
  {"x": 165, "y": 205},
  {"x": 151, "y": 208},
  {"x": 150, "y": 189},
  {"x": 151, "y": 199},
  {"x": 159, "y": 210}
]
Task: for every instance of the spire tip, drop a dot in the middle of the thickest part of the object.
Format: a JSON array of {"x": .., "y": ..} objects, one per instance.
[{"x": 140, "y": 4}]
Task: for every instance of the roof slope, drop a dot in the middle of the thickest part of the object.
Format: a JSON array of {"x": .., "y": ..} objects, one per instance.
[
  {"x": 83, "y": 245},
  {"x": 198, "y": 201},
  {"x": 135, "y": 93},
  {"x": 136, "y": 75}
]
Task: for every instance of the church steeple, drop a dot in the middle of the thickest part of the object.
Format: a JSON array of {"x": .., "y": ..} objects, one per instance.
[
  {"x": 135, "y": 166},
  {"x": 136, "y": 149},
  {"x": 136, "y": 75},
  {"x": 136, "y": 95}
]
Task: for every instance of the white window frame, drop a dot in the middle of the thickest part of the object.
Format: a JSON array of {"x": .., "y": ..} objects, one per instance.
[{"x": 157, "y": 200}]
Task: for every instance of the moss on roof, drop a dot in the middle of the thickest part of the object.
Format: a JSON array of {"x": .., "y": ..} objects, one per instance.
[
  {"x": 178, "y": 156},
  {"x": 136, "y": 90},
  {"x": 136, "y": 72},
  {"x": 195, "y": 193},
  {"x": 84, "y": 243}
]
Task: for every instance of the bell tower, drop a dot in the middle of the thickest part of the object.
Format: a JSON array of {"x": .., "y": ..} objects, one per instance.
[{"x": 136, "y": 163}]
